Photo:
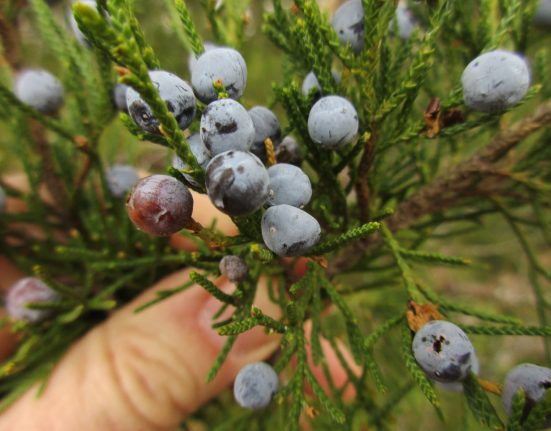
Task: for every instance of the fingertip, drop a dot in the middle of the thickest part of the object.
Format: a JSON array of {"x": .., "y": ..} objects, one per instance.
[
  {"x": 17, "y": 180},
  {"x": 183, "y": 243},
  {"x": 341, "y": 377},
  {"x": 205, "y": 212},
  {"x": 206, "y": 215},
  {"x": 20, "y": 182},
  {"x": 248, "y": 341},
  {"x": 297, "y": 266},
  {"x": 338, "y": 372}
]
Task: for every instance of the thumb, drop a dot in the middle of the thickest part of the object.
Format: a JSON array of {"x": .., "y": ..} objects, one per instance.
[{"x": 141, "y": 372}]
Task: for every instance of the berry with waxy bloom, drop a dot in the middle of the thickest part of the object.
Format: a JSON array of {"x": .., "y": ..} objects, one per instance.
[
  {"x": 226, "y": 125},
  {"x": 120, "y": 179},
  {"x": 289, "y": 185},
  {"x": 174, "y": 91},
  {"x": 266, "y": 125},
  {"x": 255, "y": 385},
  {"x": 201, "y": 155},
  {"x": 289, "y": 231},
  {"x": 443, "y": 351},
  {"x": 29, "y": 290},
  {"x": 160, "y": 205},
  {"x": 222, "y": 65},
  {"x": 533, "y": 380},
  {"x": 40, "y": 90},
  {"x": 333, "y": 122},
  {"x": 237, "y": 182},
  {"x": 233, "y": 267},
  {"x": 495, "y": 81}
]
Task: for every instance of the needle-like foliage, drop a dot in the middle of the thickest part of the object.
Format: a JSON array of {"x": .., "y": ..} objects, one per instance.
[{"x": 425, "y": 179}]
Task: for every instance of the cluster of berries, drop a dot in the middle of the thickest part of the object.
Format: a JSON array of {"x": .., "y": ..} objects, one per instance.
[
  {"x": 446, "y": 355},
  {"x": 492, "y": 82},
  {"x": 231, "y": 147},
  {"x": 231, "y": 143}
]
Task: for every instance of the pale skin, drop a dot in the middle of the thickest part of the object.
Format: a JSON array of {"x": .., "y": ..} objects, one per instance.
[{"x": 147, "y": 371}]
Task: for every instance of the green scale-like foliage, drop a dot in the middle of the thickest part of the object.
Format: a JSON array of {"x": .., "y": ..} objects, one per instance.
[{"x": 390, "y": 203}]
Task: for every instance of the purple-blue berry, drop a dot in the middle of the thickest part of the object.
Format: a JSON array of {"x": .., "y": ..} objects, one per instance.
[
  {"x": 289, "y": 231},
  {"x": 174, "y": 91},
  {"x": 288, "y": 185},
  {"x": 333, "y": 122},
  {"x": 237, "y": 182},
  {"x": 233, "y": 267},
  {"x": 458, "y": 386},
  {"x": 255, "y": 385},
  {"x": 226, "y": 125},
  {"x": 29, "y": 290},
  {"x": 192, "y": 58},
  {"x": 405, "y": 21},
  {"x": 311, "y": 82},
  {"x": 533, "y": 380},
  {"x": 348, "y": 22},
  {"x": 39, "y": 90},
  {"x": 79, "y": 35},
  {"x": 225, "y": 65},
  {"x": 443, "y": 351},
  {"x": 266, "y": 125},
  {"x": 543, "y": 13},
  {"x": 201, "y": 155},
  {"x": 121, "y": 179},
  {"x": 119, "y": 97},
  {"x": 288, "y": 151},
  {"x": 495, "y": 81}
]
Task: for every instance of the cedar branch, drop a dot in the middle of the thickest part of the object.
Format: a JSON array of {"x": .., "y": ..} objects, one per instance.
[
  {"x": 449, "y": 189},
  {"x": 363, "y": 191}
]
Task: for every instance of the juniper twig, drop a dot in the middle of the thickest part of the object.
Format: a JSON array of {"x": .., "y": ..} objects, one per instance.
[{"x": 447, "y": 190}]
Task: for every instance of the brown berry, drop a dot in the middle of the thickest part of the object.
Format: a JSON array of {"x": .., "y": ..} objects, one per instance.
[{"x": 160, "y": 205}]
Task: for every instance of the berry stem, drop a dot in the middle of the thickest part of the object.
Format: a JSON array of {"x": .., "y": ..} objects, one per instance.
[
  {"x": 490, "y": 387},
  {"x": 271, "y": 157},
  {"x": 213, "y": 241}
]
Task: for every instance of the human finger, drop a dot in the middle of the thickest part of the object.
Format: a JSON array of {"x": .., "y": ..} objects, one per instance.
[
  {"x": 205, "y": 213},
  {"x": 141, "y": 372}
]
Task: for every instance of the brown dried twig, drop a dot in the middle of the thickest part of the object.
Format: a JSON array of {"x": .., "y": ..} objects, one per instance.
[
  {"x": 9, "y": 36},
  {"x": 363, "y": 190},
  {"x": 446, "y": 190},
  {"x": 449, "y": 189},
  {"x": 50, "y": 177}
]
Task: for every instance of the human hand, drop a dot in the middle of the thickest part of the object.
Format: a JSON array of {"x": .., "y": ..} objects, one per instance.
[{"x": 148, "y": 371}]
